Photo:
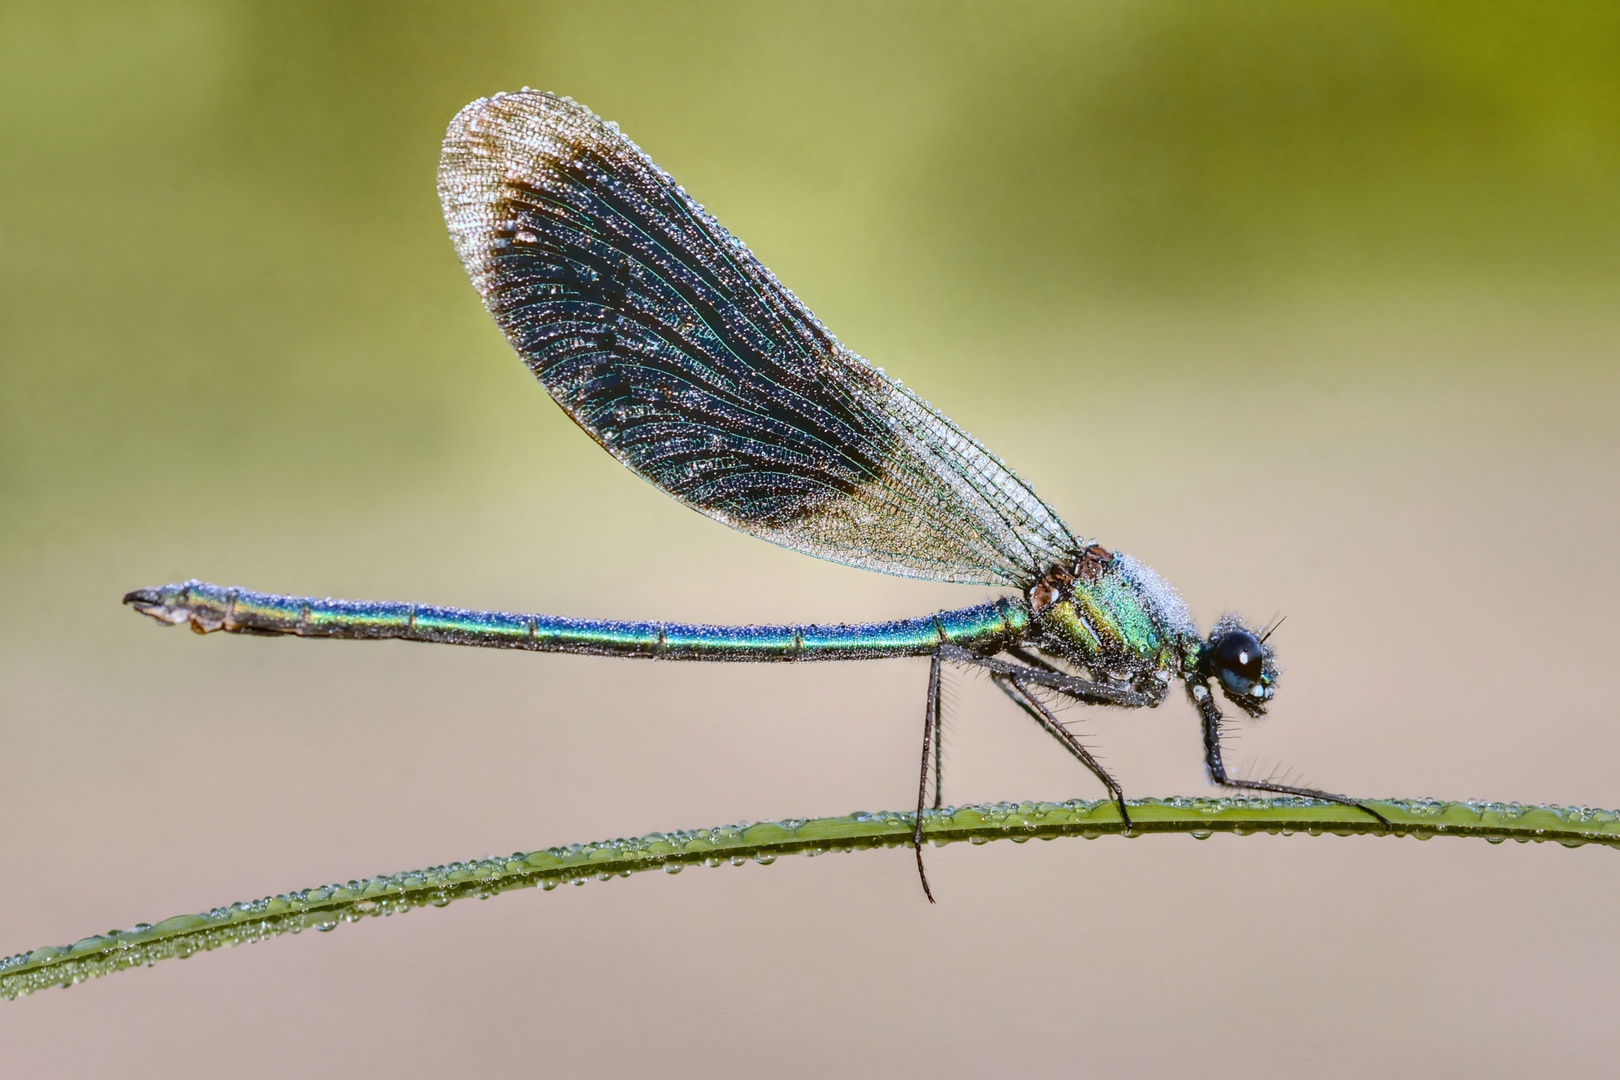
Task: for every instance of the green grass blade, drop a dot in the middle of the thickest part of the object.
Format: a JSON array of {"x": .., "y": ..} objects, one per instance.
[{"x": 327, "y": 907}]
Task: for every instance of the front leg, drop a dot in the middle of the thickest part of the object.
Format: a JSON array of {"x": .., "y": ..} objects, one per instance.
[{"x": 1211, "y": 714}]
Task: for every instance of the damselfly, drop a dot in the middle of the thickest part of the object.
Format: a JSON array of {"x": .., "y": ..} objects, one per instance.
[{"x": 662, "y": 337}]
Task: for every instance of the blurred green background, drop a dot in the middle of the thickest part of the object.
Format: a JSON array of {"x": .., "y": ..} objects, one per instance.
[
  {"x": 224, "y": 263},
  {"x": 1312, "y": 306}
]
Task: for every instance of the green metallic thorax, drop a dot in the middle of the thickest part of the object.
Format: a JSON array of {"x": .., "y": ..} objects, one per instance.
[
  {"x": 1121, "y": 623},
  {"x": 1103, "y": 627}
]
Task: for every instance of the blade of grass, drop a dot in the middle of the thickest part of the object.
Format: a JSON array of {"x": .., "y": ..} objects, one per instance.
[{"x": 327, "y": 907}]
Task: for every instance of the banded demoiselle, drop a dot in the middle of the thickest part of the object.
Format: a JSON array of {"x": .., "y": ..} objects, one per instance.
[{"x": 663, "y": 337}]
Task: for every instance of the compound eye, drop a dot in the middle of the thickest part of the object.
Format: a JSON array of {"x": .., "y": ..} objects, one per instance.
[{"x": 1240, "y": 653}]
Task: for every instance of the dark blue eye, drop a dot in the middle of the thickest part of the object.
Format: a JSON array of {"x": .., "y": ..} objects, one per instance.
[{"x": 1240, "y": 653}]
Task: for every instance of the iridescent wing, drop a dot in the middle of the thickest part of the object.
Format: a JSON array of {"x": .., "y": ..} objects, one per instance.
[{"x": 664, "y": 338}]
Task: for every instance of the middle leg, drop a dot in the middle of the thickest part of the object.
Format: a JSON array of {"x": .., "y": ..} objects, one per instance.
[{"x": 1036, "y": 709}]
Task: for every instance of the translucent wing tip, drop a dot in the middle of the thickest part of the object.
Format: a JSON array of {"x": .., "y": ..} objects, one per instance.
[
  {"x": 510, "y": 138},
  {"x": 489, "y": 112}
]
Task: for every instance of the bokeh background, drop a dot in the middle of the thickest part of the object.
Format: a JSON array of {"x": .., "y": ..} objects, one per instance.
[{"x": 1310, "y": 306}]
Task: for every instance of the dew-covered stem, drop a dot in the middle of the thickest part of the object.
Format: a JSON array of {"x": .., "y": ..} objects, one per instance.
[{"x": 327, "y": 907}]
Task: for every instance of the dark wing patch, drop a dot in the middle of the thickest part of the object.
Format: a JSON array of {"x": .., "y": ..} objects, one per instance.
[{"x": 664, "y": 338}]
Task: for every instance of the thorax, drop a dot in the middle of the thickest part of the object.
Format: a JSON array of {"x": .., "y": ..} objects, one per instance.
[{"x": 1115, "y": 618}]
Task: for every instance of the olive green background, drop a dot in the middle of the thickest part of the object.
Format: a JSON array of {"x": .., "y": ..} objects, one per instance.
[{"x": 1310, "y": 306}]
